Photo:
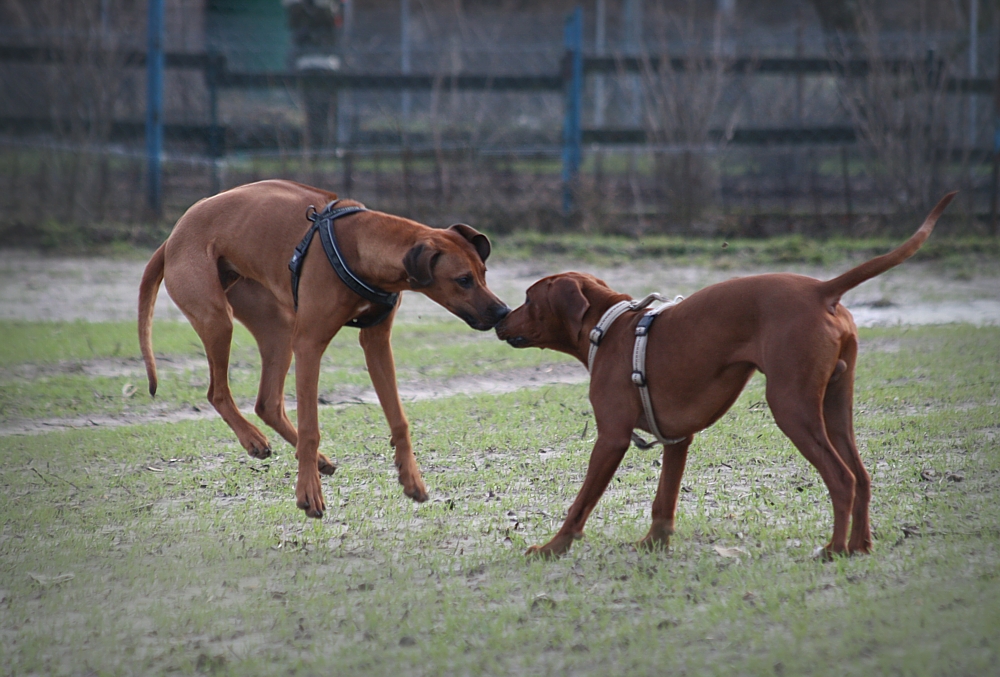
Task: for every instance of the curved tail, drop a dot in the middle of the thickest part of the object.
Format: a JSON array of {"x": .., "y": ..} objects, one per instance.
[
  {"x": 150, "y": 285},
  {"x": 833, "y": 289}
]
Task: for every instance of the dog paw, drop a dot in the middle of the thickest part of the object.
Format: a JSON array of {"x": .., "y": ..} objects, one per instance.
[
  {"x": 658, "y": 537},
  {"x": 326, "y": 466},
  {"x": 649, "y": 544},
  {"x": 254, "y": 441},
  {"x": 413, "y": 483},
  {"x": 543, "y": 552},
  {"x": 259, "y": 452},
  {"x": 827, "y": 553},
  {"x": 557, "y": 547},
  {"x": 864, "y": 549},
  {"x": 418, "y": 493},
  {"x": 539, "y": 552},
  {"x": 309, "y": 495}
]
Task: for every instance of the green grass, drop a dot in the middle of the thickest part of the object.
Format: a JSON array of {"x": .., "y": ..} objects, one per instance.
[
  {"x": 64, "y": 356},
  {"x": 954, "y": 253},
  {"x": 51, "y": 342},
  {"x": 189, "y": 557}
]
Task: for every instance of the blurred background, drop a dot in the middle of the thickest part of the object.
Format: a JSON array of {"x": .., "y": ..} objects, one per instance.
[{"x": 634, "y": 117}]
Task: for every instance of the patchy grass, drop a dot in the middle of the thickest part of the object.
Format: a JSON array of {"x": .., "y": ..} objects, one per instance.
[
  {"x": 68, "y": 369},
  {"x": 965, "y": 254},
  {"x": 165, "y": 549},
  {"x": 951, "y": 253}
]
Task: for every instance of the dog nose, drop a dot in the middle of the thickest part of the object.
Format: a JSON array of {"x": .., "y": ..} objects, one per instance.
[{"x": 499, "y": 314}]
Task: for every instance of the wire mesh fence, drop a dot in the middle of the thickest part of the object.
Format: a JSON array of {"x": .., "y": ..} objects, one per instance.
[{"x": 693, "y": 124}]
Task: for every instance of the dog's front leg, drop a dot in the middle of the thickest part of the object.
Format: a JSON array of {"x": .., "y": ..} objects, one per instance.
[
  {"x": 665, "y": 503},
  {"x": 308, "y": 489},
  {"x": 382, "y": 370},
  {"x": 604, "y": 459}
]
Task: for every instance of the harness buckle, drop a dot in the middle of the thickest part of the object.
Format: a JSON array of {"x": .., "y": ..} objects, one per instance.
[
  {"x": 596, "y": 336},
  {"x": 645, "y": 322},
  {"x": 639, "y": 379}
]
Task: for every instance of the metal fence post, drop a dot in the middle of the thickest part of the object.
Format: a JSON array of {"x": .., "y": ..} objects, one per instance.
[
  {"x": 405, "y": 44},
  {"x": 995, "y": 183},
  {"x": 572, "y": 129},
  {"x": 154, "y": 102}
]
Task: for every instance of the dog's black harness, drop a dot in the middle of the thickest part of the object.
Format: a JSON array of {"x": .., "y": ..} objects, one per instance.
[{"x": 382, "y": 301}]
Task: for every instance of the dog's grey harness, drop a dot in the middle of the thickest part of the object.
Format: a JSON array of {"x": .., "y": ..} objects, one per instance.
[
  {"x": 383, "y": 302},
  {"x": 638, "y": 355}
]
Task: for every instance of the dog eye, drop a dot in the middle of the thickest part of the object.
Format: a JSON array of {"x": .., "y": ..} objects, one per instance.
[{"x": 465, "y": 282}]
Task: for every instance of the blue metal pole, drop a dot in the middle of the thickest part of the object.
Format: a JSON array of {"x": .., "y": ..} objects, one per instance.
[
  {"x": 572, "y": 129},
  {"x": 405, "y": 43},
  {"x": 154, "y": 102},
  {"x": 995, "y": 185}
]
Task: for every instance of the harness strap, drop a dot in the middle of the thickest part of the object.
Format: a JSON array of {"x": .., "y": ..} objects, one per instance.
[
  {"x": 638, "y": 355},
  {"x": 383, "y": 301},
  {"x": 639, "y": 371},
  {"x": 602, "y": 326},
  {"x": 609, "y": 317}
]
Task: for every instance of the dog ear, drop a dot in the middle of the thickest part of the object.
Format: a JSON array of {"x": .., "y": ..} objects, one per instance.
[
  {"x": 478, "y": 240},
  {"x": 419, "y": 265},
  {"x": 567, "y": 295}
]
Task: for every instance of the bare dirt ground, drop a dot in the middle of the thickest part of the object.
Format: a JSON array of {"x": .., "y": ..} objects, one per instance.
[{"x": 40, "y": 288}]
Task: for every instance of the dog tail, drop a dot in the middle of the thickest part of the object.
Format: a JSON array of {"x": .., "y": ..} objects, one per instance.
[
  {"x": 833, "y": 289},
  {"x": 150, "y": 285}
]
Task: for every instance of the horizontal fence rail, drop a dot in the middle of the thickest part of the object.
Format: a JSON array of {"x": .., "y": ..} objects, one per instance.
[
  {"x": 290, "y": 137},
  {"x": 214, "y": 65},
  {"x": 127, "y": 58},
  {"x": 335, "y": 80},
  {"x": 218, "y": 76}
]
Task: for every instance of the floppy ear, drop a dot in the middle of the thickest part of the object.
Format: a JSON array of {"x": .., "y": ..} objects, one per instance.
[
  {"x": 419, "y": 265},
  {"x": 567, "y": 297},
  {"x": 478, "y": 240}
]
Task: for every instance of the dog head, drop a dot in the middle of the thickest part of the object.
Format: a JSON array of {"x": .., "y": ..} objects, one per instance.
[
  {"x": 449, "y": 266},
  {"x": 552, "y": 315}
]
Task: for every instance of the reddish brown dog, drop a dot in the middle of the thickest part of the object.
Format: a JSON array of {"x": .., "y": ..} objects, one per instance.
[
  {"x": 700, "y": 355},
  {"x": 228, "y": 257}
]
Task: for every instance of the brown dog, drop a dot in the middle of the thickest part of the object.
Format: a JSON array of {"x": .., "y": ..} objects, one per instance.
[
  {"x": 228, "y": 256},
  {"x": 701, "y": 353}
]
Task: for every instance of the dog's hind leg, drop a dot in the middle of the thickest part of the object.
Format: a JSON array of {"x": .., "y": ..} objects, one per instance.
[
  {"x": 382, "y": 370},
  {"x": 838, "y": 414},
  {"x": 665, "y": 503},
  {"x": 272, "y": 326},
  {"x": 798, "y": 411},
  {"x": 198, "y": 293}
]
